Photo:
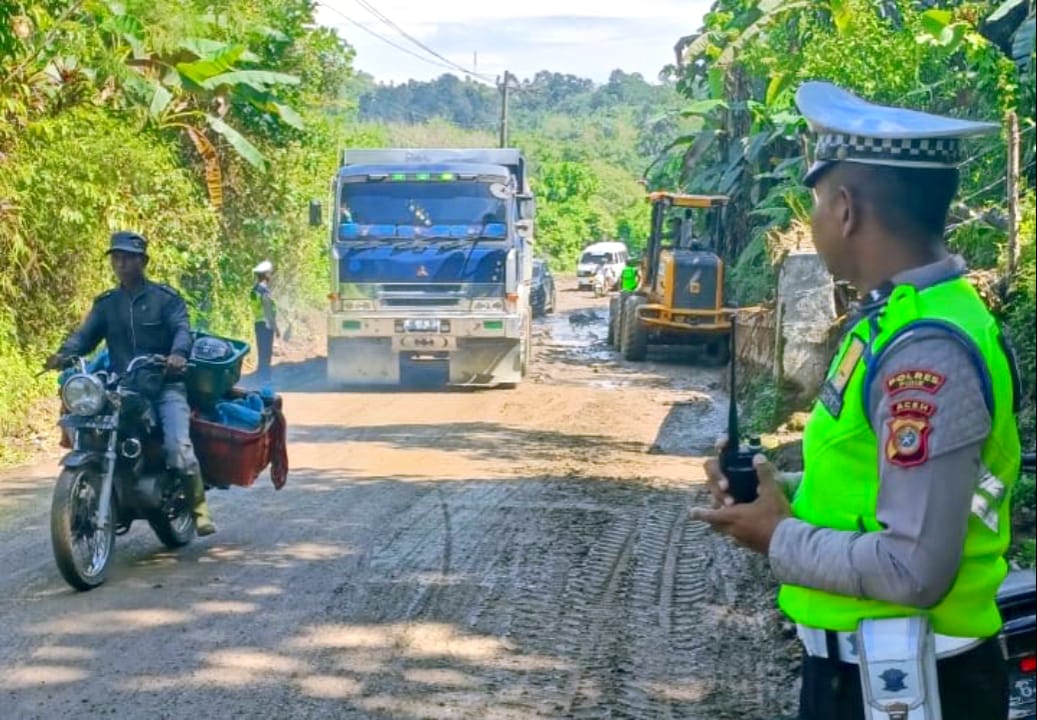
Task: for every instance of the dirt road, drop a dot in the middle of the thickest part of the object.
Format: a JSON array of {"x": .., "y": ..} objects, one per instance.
[{"x": 496, "y": 554}]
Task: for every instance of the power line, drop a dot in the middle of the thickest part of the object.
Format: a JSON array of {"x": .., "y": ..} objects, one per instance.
[
  {"x": 388, "y": 21},
  {"x": 382, "y": 38}
]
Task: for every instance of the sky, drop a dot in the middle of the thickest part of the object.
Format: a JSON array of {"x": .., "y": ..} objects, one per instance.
[{"x": 579, "y": 37}]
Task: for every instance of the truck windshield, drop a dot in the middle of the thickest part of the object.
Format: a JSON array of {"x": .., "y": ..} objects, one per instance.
[{"x": 421, "y": 204}]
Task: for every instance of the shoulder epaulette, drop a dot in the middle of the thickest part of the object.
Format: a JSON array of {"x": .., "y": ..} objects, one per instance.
[{"x": 169, "y": 290}]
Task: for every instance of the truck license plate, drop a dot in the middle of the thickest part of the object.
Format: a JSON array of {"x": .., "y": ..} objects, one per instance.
[
  {"x": 1024, "y": 697},
  {"x": 421, "y": 325}
]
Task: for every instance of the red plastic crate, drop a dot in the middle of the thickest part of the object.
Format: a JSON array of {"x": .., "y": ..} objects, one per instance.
[{"x": 230, "y": 456}]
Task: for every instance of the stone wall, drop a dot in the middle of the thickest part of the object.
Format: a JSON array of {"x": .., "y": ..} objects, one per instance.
[
  {"x": 806, "y": 310},
  {"x": 800, "y": 325}
]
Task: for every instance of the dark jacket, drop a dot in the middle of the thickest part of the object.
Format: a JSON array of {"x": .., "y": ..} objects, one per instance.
[{"x": 154, "y": 321}]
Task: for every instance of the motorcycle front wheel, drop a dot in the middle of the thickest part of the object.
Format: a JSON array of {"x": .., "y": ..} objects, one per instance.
[{"x": 82, "y": 550}]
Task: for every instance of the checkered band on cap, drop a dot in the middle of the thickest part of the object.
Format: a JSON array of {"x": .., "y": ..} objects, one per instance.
[{"x": 931, "y": 151}]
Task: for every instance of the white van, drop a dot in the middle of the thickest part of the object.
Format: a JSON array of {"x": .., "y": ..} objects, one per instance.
[{"x": 614, "y": 254}]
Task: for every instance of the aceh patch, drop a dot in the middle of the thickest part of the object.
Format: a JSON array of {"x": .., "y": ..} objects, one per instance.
[{"x": 909, "y": 428}]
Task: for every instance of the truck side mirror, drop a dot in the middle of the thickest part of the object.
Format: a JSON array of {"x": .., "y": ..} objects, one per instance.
[
  {"x": 524, "y": 228},
  {"x": 527, "y": 207},
  {"x": 316, "y": 213}
]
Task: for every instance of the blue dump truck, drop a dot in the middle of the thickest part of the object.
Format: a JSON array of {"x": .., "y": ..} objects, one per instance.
[{"x": 431, "y": 263}]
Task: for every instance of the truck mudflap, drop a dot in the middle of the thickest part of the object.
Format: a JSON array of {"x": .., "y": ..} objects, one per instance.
[{"x": 478, "y": 362}]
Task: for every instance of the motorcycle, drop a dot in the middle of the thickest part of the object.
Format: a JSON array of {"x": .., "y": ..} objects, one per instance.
[
  {"x": 1017, "y": 600},
  {"x": 604, "y": 280},
  {"x": 115, "y": 472}
]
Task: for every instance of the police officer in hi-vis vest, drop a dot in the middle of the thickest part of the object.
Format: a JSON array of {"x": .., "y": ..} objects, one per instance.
[
  {"x": 889, "y": 547},
  {"x": 264, "y": 315}
]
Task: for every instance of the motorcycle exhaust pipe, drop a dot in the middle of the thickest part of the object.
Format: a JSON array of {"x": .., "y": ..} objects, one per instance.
[{"x": 131, "y": 448}]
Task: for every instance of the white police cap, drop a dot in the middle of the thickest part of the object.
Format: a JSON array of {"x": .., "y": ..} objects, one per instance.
[
  {"x": 263, "y": 268},
  {"x": 850, "y": 129}
]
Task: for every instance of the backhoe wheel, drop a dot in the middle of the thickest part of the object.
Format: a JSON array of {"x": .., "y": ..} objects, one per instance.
[
  {"x": 716, "y": 353},
  {"x": 634, "y": 337},
  {"x": 82, "y": 551},
  {"x": 612, "y": 338}
]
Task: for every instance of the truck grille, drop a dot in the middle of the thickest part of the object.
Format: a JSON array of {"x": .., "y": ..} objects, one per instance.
[
  {"x": 420, "y": 302},
  {"x": 420, "y": 295}
]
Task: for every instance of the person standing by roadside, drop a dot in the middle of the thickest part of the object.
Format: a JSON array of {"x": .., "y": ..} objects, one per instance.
[
  {"x": 264, "y": 314},
  {"x": 890, "y": 546}
]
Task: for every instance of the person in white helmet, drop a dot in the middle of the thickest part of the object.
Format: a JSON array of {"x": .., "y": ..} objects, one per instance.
[{"x": 264, "y": 313}]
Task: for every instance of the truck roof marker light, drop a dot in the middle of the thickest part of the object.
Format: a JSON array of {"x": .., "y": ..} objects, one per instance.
[
  {"x": 398, "y": 176},
  {"x": 465, "y": 176},
  {"x": 377, "y": 177},
  {"x": 447, "y": 176},
  {"x": 422, "y": 176}
]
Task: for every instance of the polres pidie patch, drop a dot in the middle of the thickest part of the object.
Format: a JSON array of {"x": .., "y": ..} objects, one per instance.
[
  {"x": 908, "y": 442},
  {"x": 917, "y": 379}
]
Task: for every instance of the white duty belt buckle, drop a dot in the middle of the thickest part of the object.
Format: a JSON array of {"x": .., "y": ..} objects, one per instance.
[{"x": 898, "y": 669}]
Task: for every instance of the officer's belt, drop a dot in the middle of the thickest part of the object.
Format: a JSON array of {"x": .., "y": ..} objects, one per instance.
[{"x": 818, "y": 643}]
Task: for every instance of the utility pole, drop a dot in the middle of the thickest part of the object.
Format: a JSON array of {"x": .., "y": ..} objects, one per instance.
[{"x": 504, "y": 87}]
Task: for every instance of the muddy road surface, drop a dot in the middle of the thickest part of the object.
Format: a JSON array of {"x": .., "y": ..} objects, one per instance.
[{"x": 504, "y": 554}]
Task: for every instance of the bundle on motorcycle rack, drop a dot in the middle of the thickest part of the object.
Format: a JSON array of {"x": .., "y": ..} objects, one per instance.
[{"x": 231, "y": 455}]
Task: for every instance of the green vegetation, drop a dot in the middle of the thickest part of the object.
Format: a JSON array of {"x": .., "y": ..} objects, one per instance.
[{"x": 204, "y": 125}]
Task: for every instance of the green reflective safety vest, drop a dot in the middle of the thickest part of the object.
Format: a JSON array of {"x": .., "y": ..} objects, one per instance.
[
  {"x": 840, "y": 484},
  {"x": 628, "y": 279},
  {"x": 256, "y": 302}
]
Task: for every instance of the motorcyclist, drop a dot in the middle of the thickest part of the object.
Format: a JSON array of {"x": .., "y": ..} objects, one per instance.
[{"x": 140, "y": 317}]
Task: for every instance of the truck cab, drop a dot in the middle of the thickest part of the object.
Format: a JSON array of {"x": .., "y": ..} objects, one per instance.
[{"x": 431, "y": 262}]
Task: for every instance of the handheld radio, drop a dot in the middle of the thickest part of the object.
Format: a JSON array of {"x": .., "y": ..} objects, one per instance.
[{"x": 736, "y": 460}]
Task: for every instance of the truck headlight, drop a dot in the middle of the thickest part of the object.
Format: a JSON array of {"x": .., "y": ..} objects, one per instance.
[
  {"x": 487, "y": 305},
  {"x": 83, "y": 395}
]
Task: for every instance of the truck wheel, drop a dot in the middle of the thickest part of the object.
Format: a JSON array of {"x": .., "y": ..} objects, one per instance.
[
  {"x": 527, "y": 353},
  {"x": 634, "y": 337}
]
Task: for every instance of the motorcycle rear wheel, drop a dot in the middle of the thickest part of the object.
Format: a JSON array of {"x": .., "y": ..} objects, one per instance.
[
  {"x": 177, "y": 530},
  {"x": 82, "y": 551}
]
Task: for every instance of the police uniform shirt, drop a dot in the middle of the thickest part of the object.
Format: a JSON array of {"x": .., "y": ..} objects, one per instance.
[{"x": 924, "y": 506}]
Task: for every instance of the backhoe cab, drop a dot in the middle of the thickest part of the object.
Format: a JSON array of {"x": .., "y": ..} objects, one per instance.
[{"x": 680, "y": 300}]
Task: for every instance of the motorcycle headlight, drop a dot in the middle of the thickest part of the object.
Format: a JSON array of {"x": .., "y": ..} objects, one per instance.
[
  {"x": 83, "y": 395},
  {"x": 487, "y": 305}
]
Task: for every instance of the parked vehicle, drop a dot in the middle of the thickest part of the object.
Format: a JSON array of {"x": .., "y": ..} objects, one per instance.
[
  {"x": 613, "y": 254},
  {"x": 542, "y": 294}
]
